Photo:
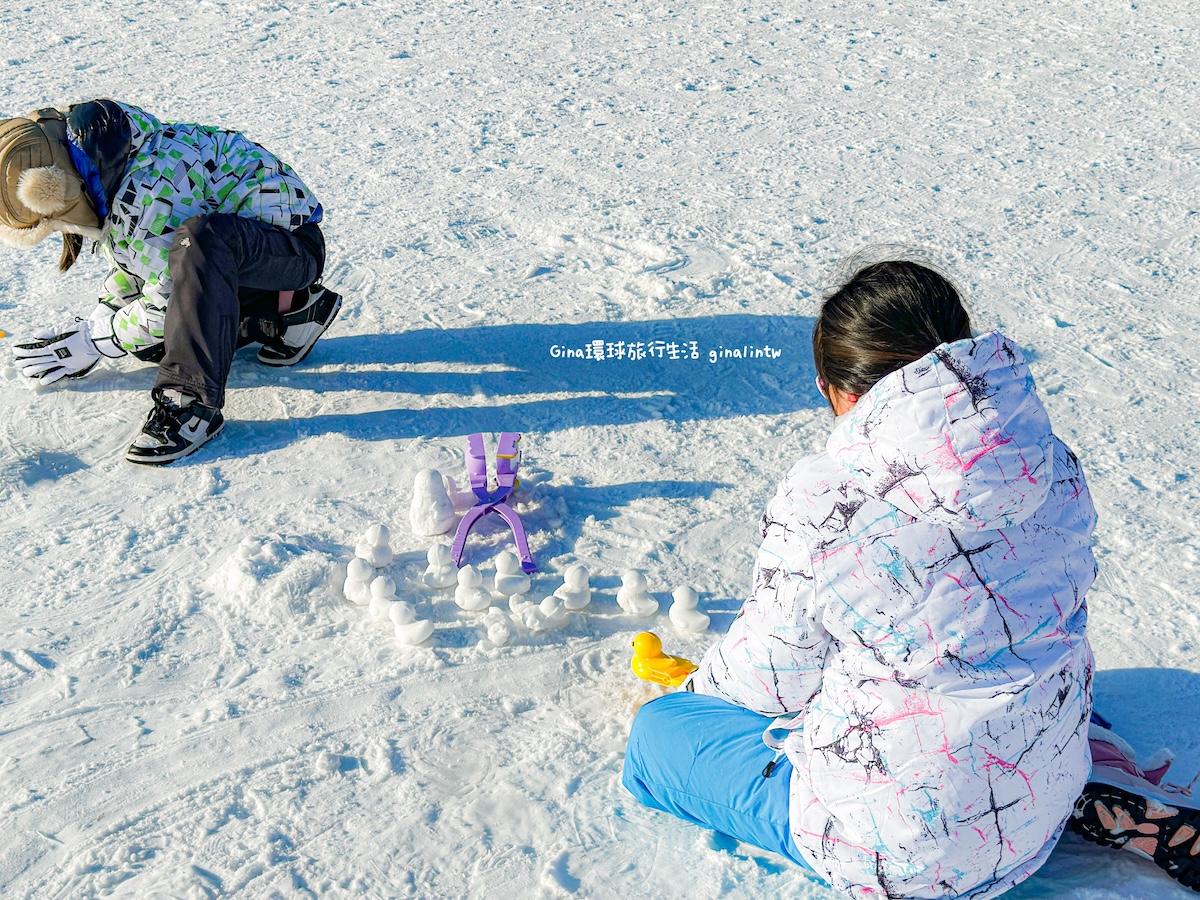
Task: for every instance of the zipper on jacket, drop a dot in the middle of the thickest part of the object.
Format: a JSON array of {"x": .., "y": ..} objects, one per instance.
[{"x": 770, "y": 767}]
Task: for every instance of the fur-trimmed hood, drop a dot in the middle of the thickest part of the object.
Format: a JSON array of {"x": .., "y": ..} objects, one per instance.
[
  {"x": 62, "y": 171},
  {"x": 41, "y": 190}
]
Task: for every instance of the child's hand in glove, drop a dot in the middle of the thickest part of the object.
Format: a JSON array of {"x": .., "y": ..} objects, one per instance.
[{"x": 69, "y": 351}]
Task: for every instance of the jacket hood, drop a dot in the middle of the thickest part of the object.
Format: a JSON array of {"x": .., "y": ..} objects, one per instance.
[
  {"x": 41, "y": 191},
  {"x": 957, "y": 438},
  {"x": 101, "y": 140}
]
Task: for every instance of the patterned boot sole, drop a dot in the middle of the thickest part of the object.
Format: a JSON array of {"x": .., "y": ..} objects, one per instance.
[{"x": 1168, "y": 834}]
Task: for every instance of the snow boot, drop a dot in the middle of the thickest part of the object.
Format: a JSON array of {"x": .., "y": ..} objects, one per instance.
[
  {"x": 1127, "y": 806},
  {"x": 301, "y": 327},
  {"x": 177, "y": 425}
]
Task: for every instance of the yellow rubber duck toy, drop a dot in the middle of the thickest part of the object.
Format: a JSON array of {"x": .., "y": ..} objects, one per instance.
[{"x": 649, "y": 663}]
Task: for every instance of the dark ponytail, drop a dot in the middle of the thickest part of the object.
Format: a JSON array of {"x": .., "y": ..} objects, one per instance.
[
  {"x": 887, "y": 315},
  {"x": 72, "y": 245}
]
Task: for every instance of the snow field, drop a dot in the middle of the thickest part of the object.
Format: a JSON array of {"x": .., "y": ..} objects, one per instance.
[{"x": 188, "y": 704}]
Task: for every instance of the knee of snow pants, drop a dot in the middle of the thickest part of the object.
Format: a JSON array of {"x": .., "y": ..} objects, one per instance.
[
  {"x": 212, "y": 258},
  {"x": 702, "y": 759}
]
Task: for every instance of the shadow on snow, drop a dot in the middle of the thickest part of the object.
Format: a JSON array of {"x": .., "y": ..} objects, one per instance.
[{"x": 496, "y": 366}]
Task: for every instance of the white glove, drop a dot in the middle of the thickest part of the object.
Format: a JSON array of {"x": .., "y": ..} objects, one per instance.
[{"x": 71, "y": 350}]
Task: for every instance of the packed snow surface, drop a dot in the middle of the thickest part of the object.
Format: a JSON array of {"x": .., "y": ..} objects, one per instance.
[{"x": 189, "y": 706}]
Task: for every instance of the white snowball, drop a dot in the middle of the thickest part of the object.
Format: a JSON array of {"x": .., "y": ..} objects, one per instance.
[
  {"x": 402, "y": 613},
  {"x": 383, "y": 587},
  {"x": 686, "y": 597},
  {"x": 374, "y": 546},
  {"x": 374, "y": 555},
  {"x": 378, "y": 535},
  {"x": 357, "y": 592},
  {"x": 378, "y": 606},
  {"x": 359, "y": 570}
]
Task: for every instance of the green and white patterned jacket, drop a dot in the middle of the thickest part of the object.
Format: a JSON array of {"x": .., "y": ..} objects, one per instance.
[{"x": 177, "y": 171}]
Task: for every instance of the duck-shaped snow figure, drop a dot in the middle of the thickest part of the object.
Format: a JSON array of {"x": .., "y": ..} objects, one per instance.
[
  {"x": 441, "y": 571},
  {"x": 358, "y": 581},
  {"x": 574, "y": 592},
  {"x": 375, "y": 546},
  {"x": 649, "y": 663},
  {"x": 409, "y": 629},
  {"x": 383, "y": 595},
  {"x": 470, "y": 593},
  {"x": 632, "y": 596},
  {"x": 510, "y": 580},
  {"x": 684, "y": 613}
]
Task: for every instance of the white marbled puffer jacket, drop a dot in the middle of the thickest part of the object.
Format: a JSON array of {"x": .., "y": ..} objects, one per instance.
[{"x": 918, "y": 616}]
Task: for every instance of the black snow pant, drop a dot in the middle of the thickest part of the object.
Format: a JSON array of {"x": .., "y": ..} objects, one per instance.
[{"x": 225, "y": 269}]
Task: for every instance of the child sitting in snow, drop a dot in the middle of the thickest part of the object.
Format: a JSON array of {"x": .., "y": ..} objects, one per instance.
[
  {"x": 213, "y": 243},
  {"x": 903, "y": 703}
]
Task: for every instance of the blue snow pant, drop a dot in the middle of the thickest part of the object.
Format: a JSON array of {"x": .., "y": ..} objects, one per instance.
[{"x": 702, "y": 759}]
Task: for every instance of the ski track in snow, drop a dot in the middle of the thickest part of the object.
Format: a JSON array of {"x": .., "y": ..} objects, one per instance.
[{"x": 188, "y": 707}]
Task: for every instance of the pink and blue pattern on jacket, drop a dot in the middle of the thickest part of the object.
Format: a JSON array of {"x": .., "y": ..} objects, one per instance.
[{"x": 918, "y": 616}]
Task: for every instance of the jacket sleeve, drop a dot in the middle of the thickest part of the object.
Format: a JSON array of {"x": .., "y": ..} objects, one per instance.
[
  {"x": 772, "y": 658},
  {"x": 141, "y": 283}
]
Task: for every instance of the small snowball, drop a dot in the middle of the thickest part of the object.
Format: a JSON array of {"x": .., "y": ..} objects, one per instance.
[
  {"x": 374, "y": 546},
  {"x": 357, "y": 592},
  {"x": 402, "y": 613},
  {"x": 383, "y": 587},
  {"x": 378, "y": 535},
  {"x": 379, "y": 557},
  {"x": 383, "y": 592},
  {"x": 359, "y": 570}
]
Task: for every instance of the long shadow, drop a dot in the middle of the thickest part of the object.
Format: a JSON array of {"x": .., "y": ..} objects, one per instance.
[
  {"x": 686, "y": 370},
  {"x": 599, "y": 502},
  {"x": 1150, "y": 708},
  {"x": 604, "y": 502}
]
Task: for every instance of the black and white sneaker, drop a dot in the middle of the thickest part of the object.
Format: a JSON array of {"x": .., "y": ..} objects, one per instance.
[
  {"x": 177, "y": 425},
  {"x": 301, "y": 328}
]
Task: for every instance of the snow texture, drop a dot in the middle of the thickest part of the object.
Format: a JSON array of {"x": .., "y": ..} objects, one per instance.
[{"x": 188, "y": 704}]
